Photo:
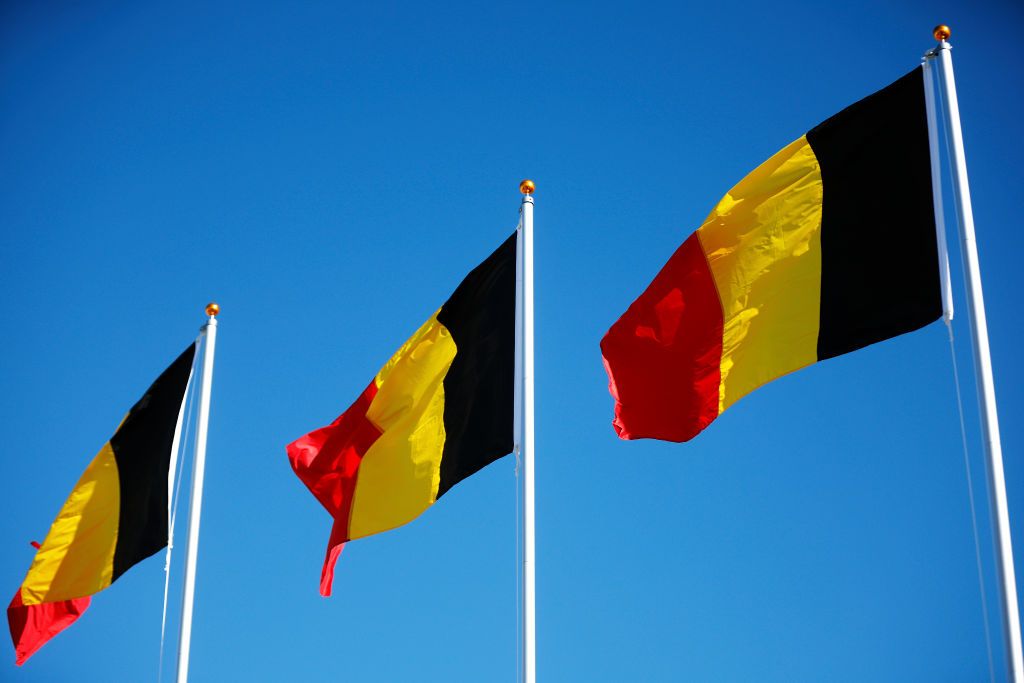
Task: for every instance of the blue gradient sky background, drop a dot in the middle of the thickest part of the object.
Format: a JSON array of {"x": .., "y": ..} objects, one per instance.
[{"x": 329, "y": 172}]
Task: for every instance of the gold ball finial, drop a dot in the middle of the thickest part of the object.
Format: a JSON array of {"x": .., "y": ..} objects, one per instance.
[
  {"x": 527, "y": 186},
  {"x": 941, "y": 32},
  {"x": 212, "y": 309}
]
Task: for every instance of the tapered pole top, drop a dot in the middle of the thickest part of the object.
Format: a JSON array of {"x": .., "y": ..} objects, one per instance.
[
  {"x": 527, "y": 187},
  {"x": 941, "y": 33},
  {"x": 212, "y": 309}
]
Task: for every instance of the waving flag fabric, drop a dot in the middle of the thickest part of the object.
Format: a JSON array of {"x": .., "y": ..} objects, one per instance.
[
  {"x": 826, "y": 247},
  {"x": 32, "y": 625},
  {"x": 115, "y": 517},
  {"x": 438, "y": 411}
]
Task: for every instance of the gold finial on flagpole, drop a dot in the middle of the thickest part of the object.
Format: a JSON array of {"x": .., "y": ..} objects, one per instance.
[
  {"x": 212, "y": 309},
  {"x": 527, "y": 186},
  {"x": 941, "y": 32}
]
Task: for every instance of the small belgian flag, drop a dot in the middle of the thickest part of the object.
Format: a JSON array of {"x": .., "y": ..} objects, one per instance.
[
  {"x": 115, "y": 517},
  {"x": 440, "y": 410}
]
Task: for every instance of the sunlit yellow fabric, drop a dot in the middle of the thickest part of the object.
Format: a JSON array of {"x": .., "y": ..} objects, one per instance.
[
  {"x": 400, "y": 473},
  {"x": 77, "y": 557},
  {"x": 763, "y": 244}
]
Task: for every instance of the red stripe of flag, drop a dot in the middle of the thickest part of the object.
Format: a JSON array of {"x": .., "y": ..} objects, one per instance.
[
  {"x": 327, "y": 461},
  {"x": 663, "y": 356},
  {"x": 33, "y": 625}
]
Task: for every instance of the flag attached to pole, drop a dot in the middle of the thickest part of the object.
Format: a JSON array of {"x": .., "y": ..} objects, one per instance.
[
  {"x": 115, "y": 517},
  {"x": 440, "y": 410},
  {"x": 825, "y": 248}
]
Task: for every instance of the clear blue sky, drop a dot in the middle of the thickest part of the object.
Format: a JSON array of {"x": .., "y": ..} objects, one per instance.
[{"x": 329, "y": 172}]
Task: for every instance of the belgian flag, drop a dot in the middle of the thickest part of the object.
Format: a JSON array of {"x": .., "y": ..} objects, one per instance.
[
  {"x": 115, "y": 517},
  {"x": 438, "y": 411},
  {"x": 826, "y": 247}
]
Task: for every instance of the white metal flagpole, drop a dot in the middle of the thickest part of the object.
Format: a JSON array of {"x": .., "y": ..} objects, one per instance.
[
  {"x": 940, "y": 215},
  {"x": 982, "y": 356},
  {"x": 525, "y": 335},
  {"x": 195, "y": 503}
]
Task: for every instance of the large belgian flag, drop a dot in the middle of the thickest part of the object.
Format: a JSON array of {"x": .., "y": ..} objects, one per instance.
[
  {"x": 438, "y": 411},
  {"x": 115, "y": 517},
  {"x": 826, "y": 247}
]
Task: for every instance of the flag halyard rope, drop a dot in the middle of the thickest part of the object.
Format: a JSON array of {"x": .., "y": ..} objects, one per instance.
[
  {"x": 970, "y": 497},
  {"x": 180, "y": 464}
]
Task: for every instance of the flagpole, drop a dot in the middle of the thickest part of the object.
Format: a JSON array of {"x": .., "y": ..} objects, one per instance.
[
  {"x": 196, "y": 497},
  {"x": 982, "y": 356},
  {"x": 525, "y": 336},
  {"x": 940, "y": 214}
]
